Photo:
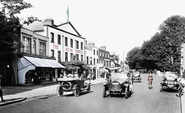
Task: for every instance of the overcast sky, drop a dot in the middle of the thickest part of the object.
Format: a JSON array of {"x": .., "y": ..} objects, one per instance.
[{"x": 120, "y": 25}]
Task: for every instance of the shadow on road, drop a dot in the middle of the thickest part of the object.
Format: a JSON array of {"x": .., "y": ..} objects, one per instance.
[
  {"x": 169, "y": 90},
  {"x": 71, "y": 94}
]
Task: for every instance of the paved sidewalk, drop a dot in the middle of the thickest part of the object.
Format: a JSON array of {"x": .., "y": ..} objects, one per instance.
[
  {"x": 183, "y": 99},
  {"x": 41, "y": 91},
  {"x": 183, "y": 103}
]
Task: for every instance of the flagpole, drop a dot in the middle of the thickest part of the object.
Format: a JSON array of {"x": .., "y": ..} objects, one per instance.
[{"x": 67, "y": 12}]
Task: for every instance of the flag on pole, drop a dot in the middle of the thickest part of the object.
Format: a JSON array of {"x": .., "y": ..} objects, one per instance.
[{"x": 67, "y": 12}]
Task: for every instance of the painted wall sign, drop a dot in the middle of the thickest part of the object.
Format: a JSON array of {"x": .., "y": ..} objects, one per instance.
[
  {"x": 55, "y": 46},
  {"x": 79, "y": 51},
  {"x": 69, "y": 49}
]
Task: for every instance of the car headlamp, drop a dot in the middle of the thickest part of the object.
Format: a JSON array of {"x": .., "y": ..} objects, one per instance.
[
  {"x": 166, "y": 82},
  {"x": 175, "y": 82}
]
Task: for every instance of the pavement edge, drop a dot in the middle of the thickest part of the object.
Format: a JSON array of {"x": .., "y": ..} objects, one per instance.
[{"x": 13, "y": 101}]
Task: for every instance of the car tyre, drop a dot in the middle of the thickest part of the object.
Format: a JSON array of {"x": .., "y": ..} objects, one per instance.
[
  {"x": 104, "y": 92},
  {"x": 126, "y": 92},
  {"x": 76, "y": 91},
  {"x": 161, "y": 90},
  {"x": 59, "y": 91},
  {"x": 89, "y": 88}
]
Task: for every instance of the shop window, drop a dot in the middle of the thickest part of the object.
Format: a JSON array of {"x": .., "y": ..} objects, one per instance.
[
  {"x": 42, "y": 49},
  {"x": 66, "y": 56},
  {"x": 71, "y": 56},
  {"x": 94, "y": 61},
  {"x": 77, "y": 56},
  {"x": 27, "y": 45},
  {"x": 34, "y": 47},
  {"x": 66, "y": 41},
  {"x": 71, "y": 42},
  {"x": 77, "y": 44},
  {"x": 52, "y": 53},
  {"x": 81, "y": 45},
  {"x": 59, "y": 39},
  {"x": 59, "y": 56},
  {"x": 81, "y": 57},
  {"x": 87, "y": 60},
  {"x": 52, "y": 37},
  {"x": 91, "y": 60}
]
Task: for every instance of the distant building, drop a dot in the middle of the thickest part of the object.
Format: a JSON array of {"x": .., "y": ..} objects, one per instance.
[
  {"x": 104, "y": 57},
  {"x": 92, "y": 57}
]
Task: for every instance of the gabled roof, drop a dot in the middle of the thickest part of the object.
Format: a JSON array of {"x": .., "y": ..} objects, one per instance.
[{"x": 69, "y": 27}]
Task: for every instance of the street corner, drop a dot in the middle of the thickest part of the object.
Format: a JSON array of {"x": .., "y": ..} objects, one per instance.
[{"x": 11, "y": 101}]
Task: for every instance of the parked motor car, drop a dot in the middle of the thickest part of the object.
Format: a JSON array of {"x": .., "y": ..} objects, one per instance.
[
  {"x": 73, "y": 84},
  {"x": 136, "y": 76},
  {"x": 170, "y": 81},
  {"x": 117, "y": 83}
]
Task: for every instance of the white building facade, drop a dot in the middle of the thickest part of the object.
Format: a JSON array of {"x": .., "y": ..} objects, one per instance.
[
  {"x": 64, "y": 41},
  {"x": 92, "y": 58}
]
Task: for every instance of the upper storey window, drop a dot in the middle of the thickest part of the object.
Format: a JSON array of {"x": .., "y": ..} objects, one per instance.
[{"x": 52, "y": 37}]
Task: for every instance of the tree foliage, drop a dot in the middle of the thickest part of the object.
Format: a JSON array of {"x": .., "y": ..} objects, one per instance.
[
  {"x": 10, "y": 24},
  {"x": 133, "y": 58},
  {"x": 162, "y": 51}
]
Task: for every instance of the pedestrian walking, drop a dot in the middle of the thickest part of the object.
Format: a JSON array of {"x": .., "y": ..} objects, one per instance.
[
  {"x": 150, "y": 80},
  {"x": 1, "y": 92}
]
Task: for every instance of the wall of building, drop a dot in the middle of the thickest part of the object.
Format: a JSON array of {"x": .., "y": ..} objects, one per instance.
[
  {"x": 63, "y": 47},
  {"x": 34, "y": 38},
  {"x": 104, "y": 57}
]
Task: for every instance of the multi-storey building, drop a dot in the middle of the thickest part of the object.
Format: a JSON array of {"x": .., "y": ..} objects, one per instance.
[
  {"x": 92, "y": 58},
  {"x": 34, "y": 63},
  {"x": 104, "y": 56},
  {"x": 64, "y": 41},
  {"x": 60, "y": 42}
]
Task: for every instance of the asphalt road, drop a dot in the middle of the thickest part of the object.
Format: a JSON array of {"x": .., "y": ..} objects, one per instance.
[{"x": 143, "y": 100}]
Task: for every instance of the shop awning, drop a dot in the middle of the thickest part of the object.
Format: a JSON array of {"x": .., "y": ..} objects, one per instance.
[
  {"x": 27, "y": 63},
  {"x": 42, "y": 62}
]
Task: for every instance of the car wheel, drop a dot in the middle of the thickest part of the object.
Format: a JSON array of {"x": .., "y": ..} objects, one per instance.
[
  {"x": 76, "y": 91},
  {"x": 110, "y": 93},
  {"x": 59, "y": 91},
  {"x": 126, "y": 92},
  {"x": 104, "y": 92},
  {"x": 161, "y": 90},
  {"x": 89, "y": 88}
]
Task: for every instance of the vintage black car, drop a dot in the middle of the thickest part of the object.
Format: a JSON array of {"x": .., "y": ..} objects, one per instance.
[
  {"x": 170, "y": 81},
  {"x": 117, "y": 83},
  {"x": 136, "y": 76},
  {"x": 73, "y": 84}
]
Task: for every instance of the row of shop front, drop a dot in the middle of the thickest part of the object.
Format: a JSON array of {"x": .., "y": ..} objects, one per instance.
[
  {"x": 36, "y": 70},
  {"x": 31, "y": 69}
]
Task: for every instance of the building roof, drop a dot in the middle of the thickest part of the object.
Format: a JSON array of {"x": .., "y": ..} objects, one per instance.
[
  {"x": 67, "y": 24},
  {"x": 67, "y": 27},
  {"x": 35, "y": 26}
]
